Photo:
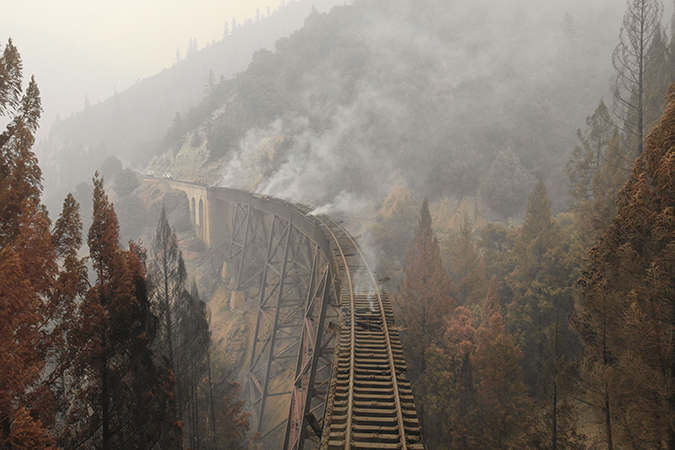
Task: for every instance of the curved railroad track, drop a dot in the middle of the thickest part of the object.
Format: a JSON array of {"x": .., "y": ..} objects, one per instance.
[{"x": 371, "y": 405}]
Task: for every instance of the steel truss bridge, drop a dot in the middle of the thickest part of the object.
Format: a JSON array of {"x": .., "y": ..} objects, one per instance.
[{"x": 326, "y": 367}]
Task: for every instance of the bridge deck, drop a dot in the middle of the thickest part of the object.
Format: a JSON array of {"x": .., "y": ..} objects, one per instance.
[{"x": 371, "y": 405}]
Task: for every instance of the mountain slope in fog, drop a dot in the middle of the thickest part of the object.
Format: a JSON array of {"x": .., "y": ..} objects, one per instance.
[
  {"x": 453, "y": 99},
  {"x": 130, "y": 124}
]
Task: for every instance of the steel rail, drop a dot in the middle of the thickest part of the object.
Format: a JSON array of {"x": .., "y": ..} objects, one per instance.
[
  {"x": 385, "y": 329},
  {"x": 352, "y": 358},
  {"x": 392, "y": 365}
]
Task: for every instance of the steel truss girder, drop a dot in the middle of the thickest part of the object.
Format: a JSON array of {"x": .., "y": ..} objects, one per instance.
[
  {"x": 248, "y": 242},
  {"x": 291, "y": 360},
  {"x": 314, "y": 362},
  {"x": 285, "y": 284}
]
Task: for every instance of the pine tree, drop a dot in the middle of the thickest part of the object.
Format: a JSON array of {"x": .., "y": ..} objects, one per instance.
[
  {"x": 541, "y": 282},
  {"x": 466, "y": 267},
  {"x": 597, "y": 170},
  {"x": 425, "y": 293},
  {"x": 425, "y": 299},
  {"x": 70, "y": 289},
  {"x": 193, "y": 342},
  {"x": 448, "y": 384},
  {"x": 626, "y": 310},
  {"x": 19, "y": 355},
  {"x": 168, "y": 275},
  {"x": 120, "y": 398},
  {"x": 20, "y": 176},
  {"x": 657, "y": 79},
  {"x": 588, "y": 158},
  {"x": 184, "y": 337},
  {"x": 502, "y": 414},
  {"x": 228, "y": 423},
  {"x": 633, "y": 63},
  {"x": 27, "y": 267},
  {"x": 496, "y": 246}
]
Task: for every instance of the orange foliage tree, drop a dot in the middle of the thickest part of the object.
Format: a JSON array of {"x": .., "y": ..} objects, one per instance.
[
  {"x": 627, "y": 310},
  {"x": 27, "y": 262},
  {"x": 121, "y": 394},
  {"x": 425, "y": 300}
]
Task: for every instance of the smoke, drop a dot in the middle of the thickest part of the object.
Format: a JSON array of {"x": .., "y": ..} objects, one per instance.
[
  {"x": 345, "y": 202},
  {"x": 244, "y": 169},
  {"x": 431, "y": 96},
  {"x": 336, "y": 168}
]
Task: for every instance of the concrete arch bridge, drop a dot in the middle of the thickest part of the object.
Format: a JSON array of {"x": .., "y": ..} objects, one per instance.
[{"x": 326, "y": 365}]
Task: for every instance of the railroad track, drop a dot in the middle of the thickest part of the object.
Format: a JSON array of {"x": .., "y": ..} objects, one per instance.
[{"x": 371, "y": 404}]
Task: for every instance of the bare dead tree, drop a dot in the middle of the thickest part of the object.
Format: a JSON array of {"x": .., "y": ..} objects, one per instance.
[{"x": 632, "y": 61}]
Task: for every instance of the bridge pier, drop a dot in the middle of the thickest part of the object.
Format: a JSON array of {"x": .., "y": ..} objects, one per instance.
[{"x": 209, "y": 217}]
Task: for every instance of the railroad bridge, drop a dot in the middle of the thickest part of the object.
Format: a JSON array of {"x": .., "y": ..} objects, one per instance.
[{"x": 326, "y": 367}]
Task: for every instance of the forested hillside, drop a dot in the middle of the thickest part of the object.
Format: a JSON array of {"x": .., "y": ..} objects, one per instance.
[
  {"x": 130, "y": 125},
  {"x": 451, "y": 100}
]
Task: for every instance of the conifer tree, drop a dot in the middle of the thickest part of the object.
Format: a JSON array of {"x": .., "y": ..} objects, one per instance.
[
  {"x": 20, "y": 176},
  {"x": 61, "y": 311},
  {"x": 425, "y": 299},
  {"x": 626, "y": 311},
  {"x": 496, "y": 246},
  {"x": 448, "y": 384},
  {"x": 168, "y": 275},
  {"x": 39, "y": 267},
  {"x": 541, "y": 282},
  {"x": 228, "y": 422},
  {"x": 27, "y": 266},
  {"x": 597, "y": 170},
  {"x": 425, "y": 293},
  {"x": 193, "y": 342},
  {"x": 120, "y": 398},
  {"x": 501, "y": 417},
  {"x": 634, "y": 65},
  {"x": 19, "y": 355},
  {"x": 184, "y": 338},
  {"x": 657, "y": 79},
  {"x": 466, "y": 267},
  {"x": 588, "y": 157}
]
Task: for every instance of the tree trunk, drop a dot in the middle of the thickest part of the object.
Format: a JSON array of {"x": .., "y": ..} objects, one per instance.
[{"x": 105, "y": 407}]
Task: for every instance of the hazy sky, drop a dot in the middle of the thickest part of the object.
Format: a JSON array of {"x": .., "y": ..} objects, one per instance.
[{"x": 92, "y": 47}]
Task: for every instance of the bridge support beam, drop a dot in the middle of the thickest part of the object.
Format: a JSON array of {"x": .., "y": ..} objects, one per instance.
[
  {"x": 283, "y": 291},
  {"x": 248, "y": 242},
  {"x": 314, "y": 362}
]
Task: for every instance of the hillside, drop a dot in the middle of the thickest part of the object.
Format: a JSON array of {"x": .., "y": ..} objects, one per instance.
[
  {"x": 130, "y": 125},
  {"x": 450, "y": 101}
]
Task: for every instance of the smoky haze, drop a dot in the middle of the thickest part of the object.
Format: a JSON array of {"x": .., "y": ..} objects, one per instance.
[
  {"x": 129, "y": 124},
  {"x": 437, "y": 95},
  {"x": 432, "y": 95},
  {"x": 82, "y": 50}
]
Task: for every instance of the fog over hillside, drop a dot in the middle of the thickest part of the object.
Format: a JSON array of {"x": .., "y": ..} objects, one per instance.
[
  {"x": 429, "y": 93},
  {"x": 129, "y": 124},
  {"x": 442, "y": 97}
]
